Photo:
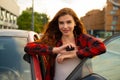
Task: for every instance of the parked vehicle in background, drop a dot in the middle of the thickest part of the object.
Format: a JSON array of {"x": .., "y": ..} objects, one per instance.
[{"x": 12, "y": 64}]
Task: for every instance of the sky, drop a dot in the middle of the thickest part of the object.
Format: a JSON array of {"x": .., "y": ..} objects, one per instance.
[{"x": 51, "y": 7}]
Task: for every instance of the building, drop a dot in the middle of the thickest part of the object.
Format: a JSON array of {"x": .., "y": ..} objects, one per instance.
[
  {"x": 9, "y": 11},
  {"x": 103, "y": 23},
  {"x": 112, "y": 17},
  {"x": 94, "y": 22}
]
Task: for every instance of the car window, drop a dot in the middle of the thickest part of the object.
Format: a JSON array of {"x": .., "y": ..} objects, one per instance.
[
  {"x": 12, "y": 65},
  {"x": 108, "y": 64}
]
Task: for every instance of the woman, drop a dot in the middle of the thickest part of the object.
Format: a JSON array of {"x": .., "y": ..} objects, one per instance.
[{"x": 64, "y": 42}]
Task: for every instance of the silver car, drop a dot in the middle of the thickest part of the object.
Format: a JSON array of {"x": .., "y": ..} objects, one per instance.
[{"x": 12, "y": 64}]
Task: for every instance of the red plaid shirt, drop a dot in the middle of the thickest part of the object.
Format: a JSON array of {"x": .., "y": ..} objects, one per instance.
[{"x": 88, "y": 46}]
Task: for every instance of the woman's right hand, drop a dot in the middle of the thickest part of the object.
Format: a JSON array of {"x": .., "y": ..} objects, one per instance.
[{"x": 68, "y": 55}]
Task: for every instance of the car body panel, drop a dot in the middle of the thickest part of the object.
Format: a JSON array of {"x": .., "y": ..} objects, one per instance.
[
  {"x": 106, "y": 66},
  {"x": 20, "y": 38}
]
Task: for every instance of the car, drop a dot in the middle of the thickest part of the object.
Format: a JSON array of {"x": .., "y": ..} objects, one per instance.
[
  {"x": 12, "y": 63},
  {"x": 108, "y": 64},
  {"x": 15, "y": 64},
  {"x": 102, "y": 67}
]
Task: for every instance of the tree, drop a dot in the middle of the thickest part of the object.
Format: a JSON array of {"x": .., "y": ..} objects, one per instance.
[{"x": 24, "y": 21}]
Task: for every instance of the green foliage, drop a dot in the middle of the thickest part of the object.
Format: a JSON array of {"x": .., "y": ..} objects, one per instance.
[{"x": 24, "y": 21}]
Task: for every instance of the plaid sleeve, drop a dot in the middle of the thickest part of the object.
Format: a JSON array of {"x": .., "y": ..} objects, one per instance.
[
  {"x": 93, "y": 47},
  {"x": 37, "y": 48}
]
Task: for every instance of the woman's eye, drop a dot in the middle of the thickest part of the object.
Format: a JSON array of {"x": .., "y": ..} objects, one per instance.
[
  {"x": 61, "y": 22},
  {"x": 69, "y": 22}
]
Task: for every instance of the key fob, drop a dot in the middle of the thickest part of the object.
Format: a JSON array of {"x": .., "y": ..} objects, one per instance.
[{"x": 69, "y": 48}]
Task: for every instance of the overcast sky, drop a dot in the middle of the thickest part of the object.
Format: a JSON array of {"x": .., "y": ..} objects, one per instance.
[{"x": 50, "y": 7}]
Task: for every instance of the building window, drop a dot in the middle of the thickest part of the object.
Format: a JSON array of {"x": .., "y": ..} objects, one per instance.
[
  {"x": 115, "y": 0},
  {"x": 0, "y": 26},
  {"x": 112, "y": 12},
  {"x": 4, "y": 16},
  {"x": 113, "y": 27},
  {"x": 11, "y": 18},
  {"x": 115, "y": 8},
  {"x": 1, "y": 16},
  {"x": 115, "y": 18},
  {"x": 8, "y": 16},
  {"x": 114, "y": 22}
]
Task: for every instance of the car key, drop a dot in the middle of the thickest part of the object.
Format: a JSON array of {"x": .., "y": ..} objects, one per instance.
[{"x": 69, "y": 48}]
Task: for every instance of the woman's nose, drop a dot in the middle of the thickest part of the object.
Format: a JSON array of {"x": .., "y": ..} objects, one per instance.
[{"x": 65, "y": 25}]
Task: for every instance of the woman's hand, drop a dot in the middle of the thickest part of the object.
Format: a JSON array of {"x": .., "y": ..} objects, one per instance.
[
  {"x": 63, "y": 49},
  {"x": 66, "y": 51},
  {"x": 66, "y": 55}
]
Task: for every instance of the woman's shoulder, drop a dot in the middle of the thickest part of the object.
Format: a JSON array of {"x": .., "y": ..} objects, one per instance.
[{"x": 84, "y": 36}]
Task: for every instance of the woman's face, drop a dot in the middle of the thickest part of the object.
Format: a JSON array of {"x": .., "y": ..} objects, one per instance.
[{"x": 66, "y": 25}]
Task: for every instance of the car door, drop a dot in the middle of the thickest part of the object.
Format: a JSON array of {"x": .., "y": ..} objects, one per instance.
[
  {"x": 108, "y": 64},
  {"x": 102, "y": 67},
  {"x": 34, "y": 60}
]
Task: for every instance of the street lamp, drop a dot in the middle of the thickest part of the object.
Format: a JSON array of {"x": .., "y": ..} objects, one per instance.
[{"x": 32, "y": 24}]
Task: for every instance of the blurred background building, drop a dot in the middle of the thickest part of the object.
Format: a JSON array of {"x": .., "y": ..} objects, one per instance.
[
  {"x": 94, "y": 22},
  {"x": 103, "y": 23},
  {"x": 112, "y": 17},
  {"x": 9, "y": 11},
  {"x": 100, "y": 23}
]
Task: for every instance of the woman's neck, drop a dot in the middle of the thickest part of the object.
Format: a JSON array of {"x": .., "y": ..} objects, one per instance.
[{"x": 68, "y": 39}]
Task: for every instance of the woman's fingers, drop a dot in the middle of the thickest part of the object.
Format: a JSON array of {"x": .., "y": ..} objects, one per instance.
[
  {"x": 61, "y": 57},
  {"x": 64, "y": 48}
]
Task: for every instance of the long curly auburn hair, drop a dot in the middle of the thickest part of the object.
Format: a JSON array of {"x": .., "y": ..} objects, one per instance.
[{"x": 52, "y": 33}]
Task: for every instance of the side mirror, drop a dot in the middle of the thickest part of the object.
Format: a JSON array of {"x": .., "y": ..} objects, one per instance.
[{"x": 93, "y": 76}]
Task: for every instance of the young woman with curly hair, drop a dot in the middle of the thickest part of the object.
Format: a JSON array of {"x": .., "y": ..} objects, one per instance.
[{"x": 64, "y": 44}]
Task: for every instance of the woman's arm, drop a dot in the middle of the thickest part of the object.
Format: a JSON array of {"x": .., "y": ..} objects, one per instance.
[
  {"x": 37, "y": 48},
  {"x": 93, "y": 47},
  {"x": 43, "y": 49},
  {"x": 89, "y": 47}
]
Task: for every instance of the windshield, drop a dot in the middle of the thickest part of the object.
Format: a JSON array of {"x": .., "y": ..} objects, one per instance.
[{"x": 12, "y": 65}]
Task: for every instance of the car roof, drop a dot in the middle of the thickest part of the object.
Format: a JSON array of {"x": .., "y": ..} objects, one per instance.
[{"x": 15, "y": 32}]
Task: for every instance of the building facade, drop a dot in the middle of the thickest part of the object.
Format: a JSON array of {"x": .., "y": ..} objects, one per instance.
[
  {"x": 112, "y": 17},
  {"x": 9, "y": 11},
  {"x": 104, "y": 22},
  {"x": 94, "y": 22}
]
